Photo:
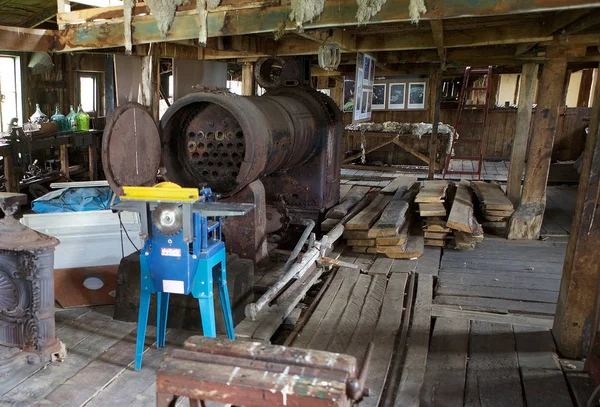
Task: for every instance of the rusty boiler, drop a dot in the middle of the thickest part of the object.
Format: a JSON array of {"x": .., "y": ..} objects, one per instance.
[
  {"x": 27, "y": 326},
  {"x": 289, "y": 138}
]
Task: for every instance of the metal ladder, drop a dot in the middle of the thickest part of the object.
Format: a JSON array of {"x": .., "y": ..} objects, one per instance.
[{"x": 462, "y": 105}]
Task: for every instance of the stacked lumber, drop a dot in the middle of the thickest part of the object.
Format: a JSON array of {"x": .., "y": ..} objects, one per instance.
[
  {"x": 384, "y": 225},
  {"x": 356, "y": 231},
  {"x": 494, "y": 205},
  {"x": 461, "y": 220},
  {"x": 432, "y": 209},
  {"x": 349, "y": 197}
]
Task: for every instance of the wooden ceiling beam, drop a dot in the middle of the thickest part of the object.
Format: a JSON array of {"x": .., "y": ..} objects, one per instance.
[
  {"x": 589, "y": 20},
  {"x": 26, "y": 39},
  {"x": 336, "y": 13}
]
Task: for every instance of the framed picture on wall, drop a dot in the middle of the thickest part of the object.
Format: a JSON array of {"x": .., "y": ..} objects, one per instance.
[
  {"x": 379, "y": 96},
  {"x": 396, "y": 96},
  {"x": 416, "y": 95}
]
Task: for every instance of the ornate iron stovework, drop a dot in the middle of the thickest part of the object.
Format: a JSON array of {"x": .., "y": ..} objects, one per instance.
[{"x": 27, "y": 326}]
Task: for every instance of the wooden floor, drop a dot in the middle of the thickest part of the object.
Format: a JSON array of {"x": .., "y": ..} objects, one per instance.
[{"x": 450, "y": 329}]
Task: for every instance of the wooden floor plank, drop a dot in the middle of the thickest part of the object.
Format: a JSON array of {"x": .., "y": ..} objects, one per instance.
[
  {"x": 349, "y": 319},
  {"x": 543, "y": 379},
  {"x": 508, "y": 275},
  {"x": 326, "y": 329},
  {"x": 90, "y": 380},
  {"x": 382, "y": 265},
  {"x": 72, "y": 332},
  {"x": 384, "y": 338},
  {"x": 413, "y": 372},
  {"x": 493, "y": 378},
  {"x": 521, "y": 294},
  {"x": 490, "y": 280},
  {"x": 497, "y": 305},
  {"x": 43, "y": 382},
  {"x": 317, "y": 316},
  {"x": 455, "y": 312},
  {"x": 446, "y": 364},
  {"x": 429, "y": 262},
  {"x": 124, "y": 390},
  {"x": 505, "y": 266},
  {"x": 369, "y": 316}
]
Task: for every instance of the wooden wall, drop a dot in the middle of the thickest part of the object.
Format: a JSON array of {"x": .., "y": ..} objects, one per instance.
[
  {"x": 57, "y": 87},
  {"x": 499, "y": 130}
]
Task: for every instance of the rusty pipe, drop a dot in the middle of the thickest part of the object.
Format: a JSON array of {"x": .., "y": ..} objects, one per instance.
[
  {"x": 226, "y": 141},
  {"x": 290, "y": 270}
]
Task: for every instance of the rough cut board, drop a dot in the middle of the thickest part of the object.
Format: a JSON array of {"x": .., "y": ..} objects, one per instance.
[
  {"x": 432, "y": 209},
  {"x": 356, "y": 234},
  {"x": 413, "y": 250},
  {"x": 352, "y": 197},
  {"x": 360, "y": 242},
  {"x": 435, "y": 242},
  {"x": 491, "y": 196},
  {"x": 435, "y": 224},
  {"x": 435, "y": 235},
  {"x": 329, "y": 224},
  {"x": 461, "y": 214},
  {"x": 432, "y": 191},
  {"x": 394, "y": 215},
  {"x": 398, "y": 240},
  {"x": 399, "y": 182},
  {"x": 368, "y": 216}
]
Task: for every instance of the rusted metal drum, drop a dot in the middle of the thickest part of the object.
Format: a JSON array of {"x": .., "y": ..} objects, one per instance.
[{"x": 227, "y": 141}]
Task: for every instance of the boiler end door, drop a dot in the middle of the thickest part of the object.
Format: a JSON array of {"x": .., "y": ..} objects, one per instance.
[{"x": 131, "y": 148}]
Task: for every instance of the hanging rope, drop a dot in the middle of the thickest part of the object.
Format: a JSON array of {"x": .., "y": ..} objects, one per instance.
[{"x": 127, "y": 10}]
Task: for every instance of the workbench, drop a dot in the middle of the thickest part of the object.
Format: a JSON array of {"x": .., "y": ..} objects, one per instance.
[{"x": 37, "y": 142}]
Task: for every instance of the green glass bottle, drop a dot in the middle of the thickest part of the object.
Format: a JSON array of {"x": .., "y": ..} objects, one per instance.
[
  {"x": 83, "y": 120},
  {"x": 72, "y": 119},
  {"x": 62, "y": 124}
]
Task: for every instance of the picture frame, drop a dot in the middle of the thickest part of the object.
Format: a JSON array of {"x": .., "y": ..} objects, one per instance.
[
  {"x": 416, "y": 95},
  {"x": 397, "y": 96},
  {"x": 379, "y": 96}
]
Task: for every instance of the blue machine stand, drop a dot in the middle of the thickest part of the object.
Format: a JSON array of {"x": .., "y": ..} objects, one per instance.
[{"x": 183, "y": 253}]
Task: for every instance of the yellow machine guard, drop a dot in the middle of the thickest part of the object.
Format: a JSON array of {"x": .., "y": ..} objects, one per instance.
[{"x": 165, "y": 191}]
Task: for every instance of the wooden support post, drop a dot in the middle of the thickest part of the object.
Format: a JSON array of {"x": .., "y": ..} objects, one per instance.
[
  {"x": 522, "y": 130},
  {"x": 93, "y": 159},
  {"x": 11, "y": 179},
  {"x": 435, "y": 84},
  {"x": 526, "y": 221},
  {"x": 63, "y": 6},
  {"x": 585, "y": 89},
  {"x": 574, "y": 320},
  {"x": 248, "y": 79},
  {"x": 64, "y": 160}
]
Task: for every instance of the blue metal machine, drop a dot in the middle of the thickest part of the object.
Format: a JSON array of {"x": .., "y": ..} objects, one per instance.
[{"x": 183, "y": 253}]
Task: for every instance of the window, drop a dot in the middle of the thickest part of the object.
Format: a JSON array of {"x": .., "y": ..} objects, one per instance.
[
  {"x": 10, "y": 91},
  {"x": 88, "y": 92}
]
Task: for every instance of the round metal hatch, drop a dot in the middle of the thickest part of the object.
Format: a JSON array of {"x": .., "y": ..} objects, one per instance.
[{"x": 130, "y": 147}]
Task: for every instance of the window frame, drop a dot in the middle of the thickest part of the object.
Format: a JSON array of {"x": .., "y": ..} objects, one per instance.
[
  {"x": 98, "y": 89},
  {"x": 18, "y": 89}
]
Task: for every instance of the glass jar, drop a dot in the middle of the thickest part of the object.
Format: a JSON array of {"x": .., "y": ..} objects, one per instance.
[
  {"x": 61, "y": 121},
  {"x": 38, "y": 117},
  {"x": 72, "y": 119},
  {"x": 83, "y": 120}
]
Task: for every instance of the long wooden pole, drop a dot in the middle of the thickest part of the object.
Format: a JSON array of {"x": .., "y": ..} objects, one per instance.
[
  {"x": 522, "y": 130},
  {"x": 436, "y": 84},
  {"x": 526, "y": 221},
  {"x": 575, "y": 319}
]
